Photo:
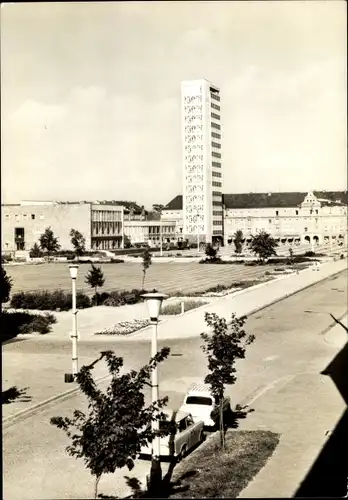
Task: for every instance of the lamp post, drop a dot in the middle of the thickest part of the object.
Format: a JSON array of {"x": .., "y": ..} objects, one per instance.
[
  {"x": 154, "y": 302},
  {"x": 73, "y": 274}
]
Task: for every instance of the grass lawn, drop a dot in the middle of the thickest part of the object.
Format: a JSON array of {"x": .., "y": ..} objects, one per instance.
[
  {"x": 166, "y": 277},
  {"x": 209, "y": 473}
]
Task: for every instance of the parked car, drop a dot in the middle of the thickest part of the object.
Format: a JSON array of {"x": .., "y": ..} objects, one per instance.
[
  {"x": 202, "y": 405},
  {"x": 186, "y": 432}
]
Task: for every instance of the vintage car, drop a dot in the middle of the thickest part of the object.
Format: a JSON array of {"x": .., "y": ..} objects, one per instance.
[
  {"x": 200, "y": 403},
  {"x": 184, "y": 434}
]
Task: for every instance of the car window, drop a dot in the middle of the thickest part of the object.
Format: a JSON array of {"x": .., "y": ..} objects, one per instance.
[
  {"x": 182, "y": 425},
  {"x": 198, "y": 400}
]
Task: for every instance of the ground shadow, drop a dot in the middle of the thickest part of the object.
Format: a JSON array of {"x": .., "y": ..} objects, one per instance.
[
  {"x": 14, "y": 394},
  {"x": 11, "y": 324},
  {"x": 328, "y": 476}
]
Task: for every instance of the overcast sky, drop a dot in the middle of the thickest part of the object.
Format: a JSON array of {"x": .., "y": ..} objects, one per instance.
[{"x": 90, "y": 96}]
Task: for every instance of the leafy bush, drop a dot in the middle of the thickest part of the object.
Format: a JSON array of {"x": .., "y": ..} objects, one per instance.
[
  {"x": 35, "y": 251},
  {"x": 50, "y": 301},
  {"x": 6, "y": 285},
  {"x": 309, "y": 253},
  {"x": 100, "y": 298},
  {"x": 121, "y": 297},
  {"x": 116, "y": 261},
  {"x": 171, "y": 309},
  {"x": 14, "y": 323}
]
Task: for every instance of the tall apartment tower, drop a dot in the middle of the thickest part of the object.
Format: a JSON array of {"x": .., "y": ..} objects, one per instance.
[{"x": 202, "y": 172}]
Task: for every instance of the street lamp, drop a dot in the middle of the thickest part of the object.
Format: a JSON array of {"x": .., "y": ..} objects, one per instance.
[
  {"x": 73, "y": 274},
  {"x": 154, "y": 302}
]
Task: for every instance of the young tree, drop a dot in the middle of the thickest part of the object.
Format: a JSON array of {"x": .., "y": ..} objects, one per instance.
[
  {"x": 35, "y": 251},
  {"x": 78, "y": 241},
  {"x": 291, "y": 255},
  {"x": 223, "y": 347},
  {"x": 117, "y": 423},
  {"x": 48, "y": 242},
  {"x": 146, "y": 264},
  {"x": 211, "y": 252},
  {"x": 6, "y": 285},
  {"x": 157, "y": 207},
  {"x": 263, "y": 245},
  {"x": 95, "y": 279},
  {"x": 238, "y": 241}
]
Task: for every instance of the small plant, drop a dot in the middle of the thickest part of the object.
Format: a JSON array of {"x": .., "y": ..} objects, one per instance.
[
  {"x": 48, "y": 242},
  {"x": 309, "y": 253},
  {"x": 39, "y": 324},
  {"x": 95, "y": 279},
  {"x": 6, "y": 285},
  {"x": 146, "y": 263},
  {"x": 35, "y": 251},
  {"x": 117, "y": 422},
  {"x": 291, "y": 255},
  {"x": 223, "y": 347},
  {"x": 238, "y": 241},
  {"x": 263, "y": 245},
  {"x": 210, "y": 251},
  {"x": 77, "y": 241}
]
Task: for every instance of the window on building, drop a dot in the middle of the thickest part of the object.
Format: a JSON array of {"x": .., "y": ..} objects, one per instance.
[
  {"x": 316, "y": 211},
  {"x": 277, "y": 212},
  {"x": 7, "y": 216},
  {"x": 269, "y": 220},
  {"x": 33, "y": 216},
  {"x": 296, "y": 212},
  {"x": 42, "y": 216},
  {"x": 306, "y": 229}
]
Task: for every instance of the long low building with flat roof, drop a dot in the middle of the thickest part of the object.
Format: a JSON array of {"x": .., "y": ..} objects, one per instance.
[{"x": 22, "y": 224}]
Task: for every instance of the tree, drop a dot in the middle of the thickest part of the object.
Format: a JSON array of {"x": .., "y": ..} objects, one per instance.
[
  {"x": 6, "y": 285},
  {"x": 117, "y": 423},
  {"x": 78, "y": 241},
  {"x": 238, "y": 241},
  {"x": 48, "y": 242},
  {"x": 263, "y": 245},
  {"x": 211, "y": 252},
  {"x": 157, "y": 207},
  {"x": 146, "y": 264},
  {"x": 35, "y": 251},
  {"x": 95, "y": 278},
  {"x": 223, "y": 347}
]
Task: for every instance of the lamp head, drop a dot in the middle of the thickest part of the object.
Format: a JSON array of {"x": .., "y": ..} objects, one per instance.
[
  {"x": 73, "y": 271},
  {"x": 154, "y": 301}
]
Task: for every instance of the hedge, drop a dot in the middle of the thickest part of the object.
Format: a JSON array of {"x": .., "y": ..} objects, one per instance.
[
  {"x": 14, "y": 323},
  {"x": 44, "y": 300}
]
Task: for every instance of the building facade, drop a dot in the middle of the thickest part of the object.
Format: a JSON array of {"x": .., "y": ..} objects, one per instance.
[
  {"x": 150, "y": 232},
  {"x": 23, "y": 223},
  {"x": 291, "y": 218},
  {"x": 202, "y": 162}
]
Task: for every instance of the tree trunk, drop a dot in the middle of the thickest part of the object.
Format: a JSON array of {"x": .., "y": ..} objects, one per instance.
[
  {"x": 96, "y": 296},
  {"x": 97, "y": 479},
  {"x": 142, "y": 286},
  {"x": 222, "y": 430}
]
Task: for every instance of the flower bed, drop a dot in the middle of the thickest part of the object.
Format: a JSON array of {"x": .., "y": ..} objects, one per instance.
[{"x": 125, "y": 327}]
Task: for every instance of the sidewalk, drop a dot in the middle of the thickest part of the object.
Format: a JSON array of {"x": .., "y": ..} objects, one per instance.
[{"x": 304, "y": 411}]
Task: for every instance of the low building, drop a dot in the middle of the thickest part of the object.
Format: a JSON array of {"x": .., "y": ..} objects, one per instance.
[
  {"x": 294, "y": 217},
  {"x": 23, "y": 223},
  {"x": 150, "y": 232}
]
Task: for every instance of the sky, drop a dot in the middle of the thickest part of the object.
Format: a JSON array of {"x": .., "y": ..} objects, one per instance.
[{"x": 90, "y": 96}]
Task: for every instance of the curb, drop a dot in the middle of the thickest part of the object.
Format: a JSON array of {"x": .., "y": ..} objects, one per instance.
[{"x": 32, "y": 410}]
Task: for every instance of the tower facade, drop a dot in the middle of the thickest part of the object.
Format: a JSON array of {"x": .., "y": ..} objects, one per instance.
[{"x": 202, "y": 169}]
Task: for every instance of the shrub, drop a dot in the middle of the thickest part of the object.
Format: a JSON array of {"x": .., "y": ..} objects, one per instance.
[
  {"x": 116, "y": 261},
  {"x": 100, "y": 298},
  {"x": 309, "y": 253},
  {"x": 14, "y": 323},
  {"x": 45, "y": 300},
  {"x": 35, "y": 251},
  {"x": 171, "y": 309},
  {"x": 6, "y": 285}
]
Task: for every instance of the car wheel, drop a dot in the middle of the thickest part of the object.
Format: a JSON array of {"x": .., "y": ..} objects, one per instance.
[
  {"x": 182, "y": 453},
  {"x": 202, "y": 437}
]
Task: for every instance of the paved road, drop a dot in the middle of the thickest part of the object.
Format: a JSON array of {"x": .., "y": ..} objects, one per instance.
[{"x": 289, "y": 340}]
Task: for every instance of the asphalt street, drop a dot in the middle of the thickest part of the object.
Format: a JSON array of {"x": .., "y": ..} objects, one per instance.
[{"x": 289, "y": 341}]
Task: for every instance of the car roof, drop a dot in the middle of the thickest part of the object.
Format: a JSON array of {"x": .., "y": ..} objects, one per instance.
[
  {"x": 199, "y": 388},
  {"x": 179, "y": 415}
]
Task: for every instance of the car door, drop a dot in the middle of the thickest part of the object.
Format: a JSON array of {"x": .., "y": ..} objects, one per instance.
[
  {"x": 192, "y": 431},
  {"x": 181, "y": 437}
]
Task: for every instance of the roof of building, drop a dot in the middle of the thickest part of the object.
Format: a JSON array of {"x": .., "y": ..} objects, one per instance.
[{"x": 268, "y": 200}]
